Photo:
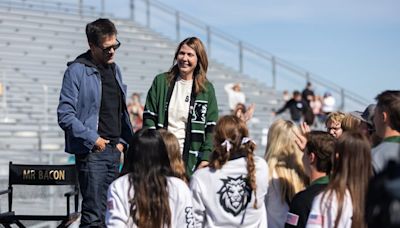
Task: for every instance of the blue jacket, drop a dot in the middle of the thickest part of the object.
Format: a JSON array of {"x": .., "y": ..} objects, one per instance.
[{"x": 79, "y": 106}]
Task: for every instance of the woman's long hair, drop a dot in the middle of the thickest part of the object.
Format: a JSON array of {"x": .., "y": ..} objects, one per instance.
[
  {"x": 233, "y": 129},
  {"x": 200, "y": 72},
  {"x": 148, "y": 167},
  {"x": 284, "y": 157},
  {"x": 174, "y": 154},
  {"x": 352, "y": 170}
]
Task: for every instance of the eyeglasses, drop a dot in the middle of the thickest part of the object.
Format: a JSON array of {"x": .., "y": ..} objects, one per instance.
[
  {"x": 108, "y": 49},
  {"x": 333, "y": 128}
]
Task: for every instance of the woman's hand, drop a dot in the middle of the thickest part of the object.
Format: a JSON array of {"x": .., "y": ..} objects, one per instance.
[{"x": 203, "y": 164}]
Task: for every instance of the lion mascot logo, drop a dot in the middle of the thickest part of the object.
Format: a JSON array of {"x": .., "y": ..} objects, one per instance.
[{"x": 235, "y": 194}]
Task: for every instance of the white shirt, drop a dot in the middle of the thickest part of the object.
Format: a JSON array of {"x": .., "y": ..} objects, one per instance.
[
  {"x": 324, "y": 215},
  {"x": 234, "y": 97},
  {"x": 118, "y": 206},
  {"x": 328, "y": 104},
  {"x": 221, "y": 198},
  {"x": 178, "y": 109},
  {"x": 277, "y": 209}
]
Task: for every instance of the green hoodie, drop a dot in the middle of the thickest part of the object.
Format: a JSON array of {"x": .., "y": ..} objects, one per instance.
[{"x": 202, "y": 117}]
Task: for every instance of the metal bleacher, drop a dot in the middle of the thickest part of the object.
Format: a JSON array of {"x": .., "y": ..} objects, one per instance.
[{"x": 35, "y": 46}]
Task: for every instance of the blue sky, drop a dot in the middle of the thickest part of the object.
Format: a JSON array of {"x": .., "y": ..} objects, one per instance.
[{"x": 355, "y": 43}]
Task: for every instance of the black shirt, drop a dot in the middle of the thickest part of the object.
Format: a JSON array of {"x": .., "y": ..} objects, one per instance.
[
  {"x": 302, "y": 202},
  {"x": 296, "y": 108},
  {"x": 110, "y": 109}
]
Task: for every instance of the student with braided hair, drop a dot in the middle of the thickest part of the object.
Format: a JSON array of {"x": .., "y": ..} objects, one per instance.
[{"x": 230, "y": 191}]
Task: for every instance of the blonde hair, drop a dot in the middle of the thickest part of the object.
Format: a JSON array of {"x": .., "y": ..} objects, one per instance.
[
  {"x": 200, "y": 72},
  {"x": 284, "y": 157},
  {"x": 336, "y": 117},
  {"x": 350, "y": 123},
  {"x": 233, "y": 129},
  {"x": 174, "y": 154}
]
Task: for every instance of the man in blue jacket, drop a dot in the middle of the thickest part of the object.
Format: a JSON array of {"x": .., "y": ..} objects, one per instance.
[{"x": 93, "y": 114}]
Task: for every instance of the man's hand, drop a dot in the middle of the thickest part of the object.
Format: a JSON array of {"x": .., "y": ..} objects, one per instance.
[
  {"x": 101, "y": 144},
  {"x": 120, "y": 147}
]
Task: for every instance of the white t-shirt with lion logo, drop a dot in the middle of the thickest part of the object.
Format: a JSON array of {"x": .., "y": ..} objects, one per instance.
[{"x": 223, "y": 197}]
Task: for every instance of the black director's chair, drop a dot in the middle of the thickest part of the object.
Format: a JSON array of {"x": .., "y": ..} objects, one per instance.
[{"x": 41, "y": 175}]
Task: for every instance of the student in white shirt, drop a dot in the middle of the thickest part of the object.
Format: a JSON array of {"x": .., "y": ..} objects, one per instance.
[
  {"x": 230, "y": 192},
  {"x": 342, "y": 203},
  {"x": 328, "y": 103},
  {"x": 287, "y": 173},
  {"x": 235, "y": 95},
  {"x": 148, "y": 195}
]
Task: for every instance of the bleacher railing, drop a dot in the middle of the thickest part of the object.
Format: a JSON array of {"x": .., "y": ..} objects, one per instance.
[
  {"x": 234, "y": 53},
  {"x": 51, "y": 5}
]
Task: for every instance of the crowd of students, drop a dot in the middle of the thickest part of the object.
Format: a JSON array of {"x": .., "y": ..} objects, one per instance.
[
  {"x": 306, "y": 106},
  {"x": 306, "y": 179},
  {"x": 187, "y": 167}
]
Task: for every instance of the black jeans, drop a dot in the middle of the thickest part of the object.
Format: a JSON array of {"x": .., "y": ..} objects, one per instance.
[{"x": 96, "y": 171}]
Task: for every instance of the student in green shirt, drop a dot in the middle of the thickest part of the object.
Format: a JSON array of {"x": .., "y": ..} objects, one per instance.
[
  {"x": 317, "y": 163},
  {"x": 387, "y": 124}
]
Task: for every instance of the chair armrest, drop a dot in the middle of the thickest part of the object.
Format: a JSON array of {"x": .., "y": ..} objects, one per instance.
[
  {"x": 5, "y": 192},
  {"x": 71, "y": 193}
]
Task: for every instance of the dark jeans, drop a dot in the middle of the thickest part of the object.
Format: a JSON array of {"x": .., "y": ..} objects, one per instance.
[{"x": 96, "y": 171}]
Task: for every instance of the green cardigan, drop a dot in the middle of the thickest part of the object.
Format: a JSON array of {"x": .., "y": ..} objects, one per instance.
[{"x": 202, "y": 117}]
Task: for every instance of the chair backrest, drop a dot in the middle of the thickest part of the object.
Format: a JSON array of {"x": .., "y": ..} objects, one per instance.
[
  {"x": 26, "y": 174},
  {"x": 41, "y": 176}
]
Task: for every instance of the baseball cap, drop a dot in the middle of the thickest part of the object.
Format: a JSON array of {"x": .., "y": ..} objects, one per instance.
[{"x": 367, "y": 115}]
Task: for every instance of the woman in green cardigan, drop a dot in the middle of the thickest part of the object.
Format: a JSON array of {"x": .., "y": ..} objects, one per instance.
[{"x": 183, "y": 101}]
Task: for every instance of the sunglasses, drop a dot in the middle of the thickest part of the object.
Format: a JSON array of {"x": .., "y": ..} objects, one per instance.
[{"x": 108, "y": 49}]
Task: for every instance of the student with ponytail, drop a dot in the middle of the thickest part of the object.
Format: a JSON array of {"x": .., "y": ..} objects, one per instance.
[
  {"x": 230, "y": 192},
  {"x": 148, "y": 196}
]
